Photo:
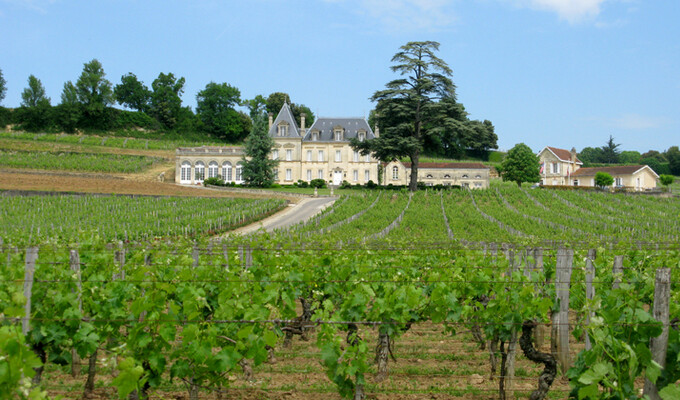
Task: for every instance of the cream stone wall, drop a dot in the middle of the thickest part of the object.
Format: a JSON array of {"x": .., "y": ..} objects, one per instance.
[
  {"x": 463, "y": 175},
  {"x": 556, "y": 171}
]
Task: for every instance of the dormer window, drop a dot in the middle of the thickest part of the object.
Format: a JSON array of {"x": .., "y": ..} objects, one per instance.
[
  {"x": 338, "y": 135},
  {"x": 315, "y": 136},
  {"x": 283, "y": 130},
  {"x": 362, "y": 136}
]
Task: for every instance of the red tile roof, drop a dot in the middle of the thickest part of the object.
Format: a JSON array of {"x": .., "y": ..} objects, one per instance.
[
  {"x": 562, "y": 154},
  {"x": 448, "y": 165},
  {"x": 616, "y": 170}
]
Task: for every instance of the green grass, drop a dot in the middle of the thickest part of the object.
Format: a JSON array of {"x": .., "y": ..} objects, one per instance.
[
  {"x": 68, "y": 161},
  {"x": 108, "y": 140}
]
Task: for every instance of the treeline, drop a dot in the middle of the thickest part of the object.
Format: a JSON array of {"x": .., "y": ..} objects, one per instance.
[
  {"x": 666, "y": 162},
  {"x": 157, "y": 111}
]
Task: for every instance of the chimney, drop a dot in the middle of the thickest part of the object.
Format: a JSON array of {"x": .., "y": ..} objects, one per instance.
[
  {"x": 302, "y": 123},
  {"x": 271, "y": 120}
]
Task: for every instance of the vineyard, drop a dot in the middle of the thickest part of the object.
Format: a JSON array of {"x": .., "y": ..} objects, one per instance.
[{"x": 502, "y": 293}]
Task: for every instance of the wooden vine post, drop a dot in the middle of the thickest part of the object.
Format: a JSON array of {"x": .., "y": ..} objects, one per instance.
[
  {"x": 560, "y": 331},
  {"x": 660, "y": 311},
  {"x": 617, "y": 271},
  {"x": 590, "y": 291},
  {"x": 74, "y": 261},
  {"x": 29, "y": 272}
]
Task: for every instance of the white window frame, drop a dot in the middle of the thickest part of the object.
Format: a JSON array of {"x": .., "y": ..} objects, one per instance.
[
  {"x": 226, "y": 171},
  {"x": 309, "y": 174},
  {"x": 367, "y": 175},
  {"x": 239, "y": 173},
  {"x": 320, "y": 156},
  {"x": 289, "y": 155},
  {"x": 289, "y": 174},
  {"x": 356, "y": 156},
  {"x": 213, "y": 169},
  {"x": 368, "y": 158},
  {"x": 283, "y": 129},
  {"x": 309, "y": 155},
  {"x": 355, "y": 175},
  {"x": 185, "y": 172},
  {"x": 338, "y": 155},
  {"x": 276, "y": 174},
  {"x": 320, "y": 174},
  {"x": 338, "y": 135},
  {"x": 362, "y": 136},
  {"x": 395, "y": 173},
  {"x": 618, "y": 181},
  {"x": 199, "y": 171}
]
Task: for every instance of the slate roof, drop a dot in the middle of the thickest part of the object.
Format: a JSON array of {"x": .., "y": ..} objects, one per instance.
[
  {"x": 616, "y": 170},
  {"x": 285, "y": 114},
  {"x": 448, "y": 165},
  {"x": 563, "y": 155},
  {"x": 351, "y": 127}
]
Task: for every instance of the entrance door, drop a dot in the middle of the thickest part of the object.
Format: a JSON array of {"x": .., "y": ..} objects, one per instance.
[{"x": 337, "y": 178}]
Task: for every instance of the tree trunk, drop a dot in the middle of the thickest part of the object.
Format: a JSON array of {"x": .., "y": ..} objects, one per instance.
[
  {"x": 247, "y": 370},
  {"x": 493, "y": 359},
  {"x": 548, "y": 375},
  {"x": 413, "y": 183},
  {"x": 91, "y": 372},
  {"x": 382, "y": 352},
  {"x": 193, "y": 391}
]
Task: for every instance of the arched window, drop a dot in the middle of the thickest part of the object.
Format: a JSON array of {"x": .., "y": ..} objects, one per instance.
[
  {"x": 212, "y": 169},
  {"x": 199, "y": 171},
  {"x": 429, "y": 176},
  {"x": 226, "y": 171},
  {"x": 478, "y": 177},
  {"x": 465, "y": 176},
  {"x": 447, "y": 176},
  {"x": 185, "y": 172},
  {"x": 239, "y": 173},
  {"x": 395, "y": 173}
]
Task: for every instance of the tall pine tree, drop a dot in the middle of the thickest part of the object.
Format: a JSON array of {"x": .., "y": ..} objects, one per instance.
[{"x": 258, "y": 169}]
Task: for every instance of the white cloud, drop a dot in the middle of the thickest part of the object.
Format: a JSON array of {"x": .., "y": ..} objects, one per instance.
[
  {"x": 406, "y": 15},
  {"x": 570, "y": 10}
]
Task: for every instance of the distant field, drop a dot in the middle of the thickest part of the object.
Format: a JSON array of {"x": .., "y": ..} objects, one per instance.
[
  {"x": 106, "y": 141},
  {"x": 69, "y": 161}
]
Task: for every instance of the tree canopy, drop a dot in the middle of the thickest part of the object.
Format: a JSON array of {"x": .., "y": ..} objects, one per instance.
[
  {"x": 410, "y": 109},
  {"x": 275, "y": 101},
  {"x": 3, "y": 87},
  {"x": 132, "y": 93},
  {"x": 258, "y": 170},
  {"x": 94, "y": 93},
  {"x": 216, "y": 110},
  {"x": 166, "y": 104},
  {"x": 610, "y": 151},
  {"x": 34, "y": 95},
  {"x": 603, "y": 179},
  {"x": 520, "y": 165}
]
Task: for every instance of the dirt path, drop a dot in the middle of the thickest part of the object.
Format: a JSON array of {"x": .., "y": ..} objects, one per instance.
[{"x": 293, "y": 214}]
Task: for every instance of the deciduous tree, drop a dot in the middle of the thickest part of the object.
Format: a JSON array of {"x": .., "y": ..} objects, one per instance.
[
  {"x": 94, "y": 94},
  {"x": 132, "y": 93},
  {"x": 166, "y": 103},
  {"x": 275, "y": 102},
  {"x": 603, "y": 179},
  {"x": 69, "y": 110},
  {"x": 35, "y": 105},
  {"x": 3, "y": 87},
  {"x": 215, "y": 108},
  {"x": 666, "y": 180},
  {"x": 673, "y": 157},
  {"x": 411, "y": 108},
  {"x": 258, "y": 169},
  {"x": 520, "y": 165}
]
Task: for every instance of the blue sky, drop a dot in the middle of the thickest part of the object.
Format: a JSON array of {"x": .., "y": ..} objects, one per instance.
[{"x": 565, "y": 73}]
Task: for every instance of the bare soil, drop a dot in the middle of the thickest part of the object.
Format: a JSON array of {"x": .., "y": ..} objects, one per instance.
[{"x": 430, "y": 365}]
